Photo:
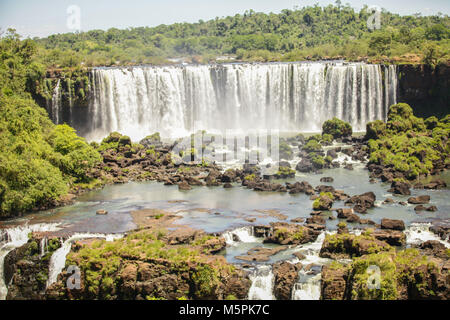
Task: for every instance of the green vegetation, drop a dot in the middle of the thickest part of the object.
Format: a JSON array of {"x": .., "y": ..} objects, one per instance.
[
  {"x": 404, "y": 269},
  {"x": 336, "y": 128},
  {"x": 312, "y": 146},
  {"x": 307, "y": 33},
  {"x": 324, "y": 201},
  {"x": 39, "y": 162},
  {"x": 106, "y": 266},
  {"x": 285, "y": 172},
  {"x": 350, "y": 245},
  {"x": 409, "y": 144}
]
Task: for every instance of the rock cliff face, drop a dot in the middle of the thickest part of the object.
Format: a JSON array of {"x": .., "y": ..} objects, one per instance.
[
  {"x": 425, "y": 88},
  {"x": 27, "y": 268}
]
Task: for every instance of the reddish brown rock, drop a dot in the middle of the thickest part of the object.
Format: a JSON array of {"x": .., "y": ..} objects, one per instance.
[
  {"x": 392, "y": 224},
  {"x": 286, "y": 275},
  {"x": 392, "y": 237},
  {"x": 423, "y": 199}
]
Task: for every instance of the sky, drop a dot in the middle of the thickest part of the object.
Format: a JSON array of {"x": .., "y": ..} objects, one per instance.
[{"x": 44, "y": 17}]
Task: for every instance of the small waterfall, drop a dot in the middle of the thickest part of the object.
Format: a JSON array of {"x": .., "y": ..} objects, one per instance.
[
  {"x": 58, "y": 258},
  {"x": 418, "y": 233},
  {"x": 308, "y": 290},
  {"x": 43, "y": 246},
  {"x": 56, "y": 103},
  {"x": 244, "y": 234},
  {"x": 262, "y": 284},
  {"x": 308, "y": 286},
  {"x": 13, "y": 238},
  {"x": 390, "y": 87},
  {"x": 175, "y": 100}
]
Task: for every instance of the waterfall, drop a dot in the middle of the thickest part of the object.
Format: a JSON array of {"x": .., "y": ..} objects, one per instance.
[
  {"x": 262, "y": 280},
  {"x": 390, "y": 87},
  {"x": 58, "y": 258},
  {"x": 418, "y": 233},
  {"x": 244, "y": 234},
  {"x": 55, "y": 108},
  {"x": 308, "y": 286},
  {"x": 308, "y": 290},
  {"x": 12, "y": 238},
  {"x": 175, "y": 100}
]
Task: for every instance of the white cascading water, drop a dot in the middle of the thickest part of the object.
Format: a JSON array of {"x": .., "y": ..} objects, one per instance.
[
  {"x": 12, "y": 238},
  {"x": 390, "y": 86},
  {"x": 174, "y": 100},
  {"x": 58, "y": 258},
  {"x": 56, "y": 103},
  {"x": 309, "y": 289},
  {"x": 418, "y": 233},
  {"x": 262, "y": 280},
  {"x": 244, "y": 234}
]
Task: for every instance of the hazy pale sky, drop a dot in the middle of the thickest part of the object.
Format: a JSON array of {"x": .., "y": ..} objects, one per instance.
[{"x": 44, "y": 17}]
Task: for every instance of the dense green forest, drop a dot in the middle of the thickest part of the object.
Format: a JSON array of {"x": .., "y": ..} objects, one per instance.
[
  {"x": 39, "y": 161},
  {"x": 308, "y": 33}
]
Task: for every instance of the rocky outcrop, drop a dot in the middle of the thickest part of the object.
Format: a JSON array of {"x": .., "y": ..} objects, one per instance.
[
  {"x": 392, "y": 224},
  {"x": 392, "y": 237},
  {"x": 423, "y": 199},
  {"x": 344, "y": 245},
  {"x": 145, "y": 265},
  {"x": 286, "y": 275},
  {"x": 291, "y": 234},
  {"x": 362, "y": 202},
  {"x": 405, "y": 274},
  {"x": 400, "y": 187},
  {"x": 323, "y": 202},
  {"x": 334, "y": 283},
  {"x": 26, "y": 268}
]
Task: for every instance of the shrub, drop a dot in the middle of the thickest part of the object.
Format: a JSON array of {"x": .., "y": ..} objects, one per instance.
[
  {"x": 312, "y": 146},
  {"x": 375, "y": 129},
  {"x": 124, "y": 141},
  {"x": 337, "y": 128},
  {"x": 77, "y": 155}
]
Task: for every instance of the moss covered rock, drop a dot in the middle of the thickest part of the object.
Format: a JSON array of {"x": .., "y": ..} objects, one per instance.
[{"x": 337, "y": 128}]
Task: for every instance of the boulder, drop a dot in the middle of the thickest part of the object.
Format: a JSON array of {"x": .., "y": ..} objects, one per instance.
[
  {"x": 419, "y": 199},
  {"x": 183, "y": 185},
  {"x": 353, "y": 218},
  {"x": 400, "y": 187},
  {"x": 392, "y": 224},
  {"x": 287, "y": 234},
  {"x": 305, "y": 165},
  {"x": 362, "y": 202},
  {"x": 436, "y": 184},
  {"x": 323, "y": 203},
  {"x": 392, "y": 237},
  {"x": 419, "y": 208},
  {"x": 315, "y": 220},
  {"x": 343, "y": 213}
]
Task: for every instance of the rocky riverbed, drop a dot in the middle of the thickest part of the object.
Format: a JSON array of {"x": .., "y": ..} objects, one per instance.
[{"x": 155, "y": 229}]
